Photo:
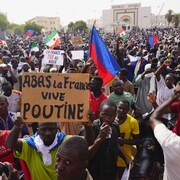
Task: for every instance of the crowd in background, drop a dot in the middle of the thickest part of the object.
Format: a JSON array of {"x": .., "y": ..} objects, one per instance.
[{"x": 118, "y": 108}]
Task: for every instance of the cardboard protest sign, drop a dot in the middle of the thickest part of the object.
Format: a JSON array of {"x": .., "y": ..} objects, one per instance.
[
  {"x": 76, "y": 40},
  {"x": 79, "y": 54},
  {"x": 55, "y": 97},
  {"x": 53, "y": 57}
]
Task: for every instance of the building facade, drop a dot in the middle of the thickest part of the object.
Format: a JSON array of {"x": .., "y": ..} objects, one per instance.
[
  {"x": 98, "y": 23},
  {"x": 126, "y": 16},
  {"x": 48, "y": 23},
  {"x": 158, "y": 21}
]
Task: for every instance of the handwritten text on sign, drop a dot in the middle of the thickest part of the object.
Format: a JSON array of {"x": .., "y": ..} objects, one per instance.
[
  {"x": 55, "y": 97},
  {"x": 53, "y": 57}
]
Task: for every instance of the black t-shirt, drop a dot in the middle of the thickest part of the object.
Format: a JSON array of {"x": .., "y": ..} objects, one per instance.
[{"x": 104, "y": 163}]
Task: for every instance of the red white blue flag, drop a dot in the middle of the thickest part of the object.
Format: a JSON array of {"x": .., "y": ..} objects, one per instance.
[
  {"x": 152, "y": 40},
  {"x": 103, "y": 59},
  {"x": 30, "y": 32}
]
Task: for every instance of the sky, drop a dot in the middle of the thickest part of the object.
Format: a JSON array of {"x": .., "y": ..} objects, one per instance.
[{"x": 20, "y": 11}]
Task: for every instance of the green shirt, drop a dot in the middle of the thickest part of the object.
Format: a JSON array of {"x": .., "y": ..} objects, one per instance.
[
  {"x": 33, "y": 159},
  {"x": 116, "y": 98}
]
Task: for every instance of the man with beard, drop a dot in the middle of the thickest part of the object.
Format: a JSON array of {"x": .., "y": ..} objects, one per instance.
[{"x": 38, "y": 151}]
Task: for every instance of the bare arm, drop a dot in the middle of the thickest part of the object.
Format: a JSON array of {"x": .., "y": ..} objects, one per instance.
[
  {"x": 104, "y": 131},
  {"x": 151, "y": 97},
  {"x": 159, "y": 70},
  {"x": 14, "y": 79},
  {"x": 164, "y": 108},
  {"x": 86, "y": 67},
  {"x": 12, "y": 140}
]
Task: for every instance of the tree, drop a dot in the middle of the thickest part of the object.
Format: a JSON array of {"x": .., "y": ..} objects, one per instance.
[
  {"x": 70, "y": 26},
  {"x": 18, "y": 29},
  {"x": 34, "y": 26},
  {"x": 80, "y": 25},
  {"x": 176, "y": 20},
  {"x": 4, "y": 23},
  {"x": 169, "y": 16}
]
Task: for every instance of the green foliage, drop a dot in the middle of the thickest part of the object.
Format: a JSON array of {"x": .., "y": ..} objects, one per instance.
[
  {"x": 169, "y": 16},
  {"x": 78, "y": 25},
  {"x": 4, "y": 23},
  {"x": 176, "y": 20},
  {"x": 70, "y": 26},
  {"x": 18, "y": 29},
  {"x": 33, "y": 26},
  {"x": 173, "y": 18}
]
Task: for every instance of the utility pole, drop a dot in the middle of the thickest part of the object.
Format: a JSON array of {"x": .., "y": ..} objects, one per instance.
[
  {"x": 159, "y": 13},
  {"x": 161, "y": 8}
]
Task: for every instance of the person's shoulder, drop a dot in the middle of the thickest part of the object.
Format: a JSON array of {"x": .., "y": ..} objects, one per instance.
[
  {"x": 103, "y": 95},
  {"x": 115, "y": 125},
  {"x": 129, "y": 83},
  {"x": 16, "y": 92},
  {"x": 66, "y": 138},
  {"x": 131, "y": 119},
  {"x": 127, "y": 93},
  {"x": 111, "y": 94}
]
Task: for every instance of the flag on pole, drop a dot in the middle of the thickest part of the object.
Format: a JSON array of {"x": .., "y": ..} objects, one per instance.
[
  {"x": 30, "y": 32},
  {"x": 34, "y": 47},
  {"x": 3, "y": 43},
  {"x": 152, "y": 40},
  {"x": 122, "y": 33},
  {"x": 52, "y": 40},
  {"x": 103, "y": 59}
]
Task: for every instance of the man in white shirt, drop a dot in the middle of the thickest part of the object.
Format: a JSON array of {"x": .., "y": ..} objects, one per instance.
[
  {"x": 169, "y": 141},
  {"x": 13, "y": 97}
]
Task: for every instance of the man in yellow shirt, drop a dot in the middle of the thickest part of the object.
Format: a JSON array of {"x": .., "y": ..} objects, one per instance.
[{"x": 129, "y": 132}]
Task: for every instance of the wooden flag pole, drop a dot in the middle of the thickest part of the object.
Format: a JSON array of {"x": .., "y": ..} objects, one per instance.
[{"x": 94, "y": 23}]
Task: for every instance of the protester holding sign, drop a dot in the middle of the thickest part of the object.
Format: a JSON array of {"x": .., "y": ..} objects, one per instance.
[
  {"x": 39, "y": 151},
  {"x": 61, "y": 97}
]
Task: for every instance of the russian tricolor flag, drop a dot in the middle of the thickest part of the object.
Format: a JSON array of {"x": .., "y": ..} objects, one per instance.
[
  {"x": 30, "y": 32},
  {"x": 103, "y": 59},
  {"x": 152, "y": 40}
]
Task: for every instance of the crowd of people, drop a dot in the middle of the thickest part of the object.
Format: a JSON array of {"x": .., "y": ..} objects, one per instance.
[{"x": 148, "y": 85}]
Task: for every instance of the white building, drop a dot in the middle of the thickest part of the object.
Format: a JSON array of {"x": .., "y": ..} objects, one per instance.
[
  {"x": 48, "y": 23},
  {"x": 126, "y": 16},
  {"x": 98, "y": 23},
  {"x": 158, "y": 21}
]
